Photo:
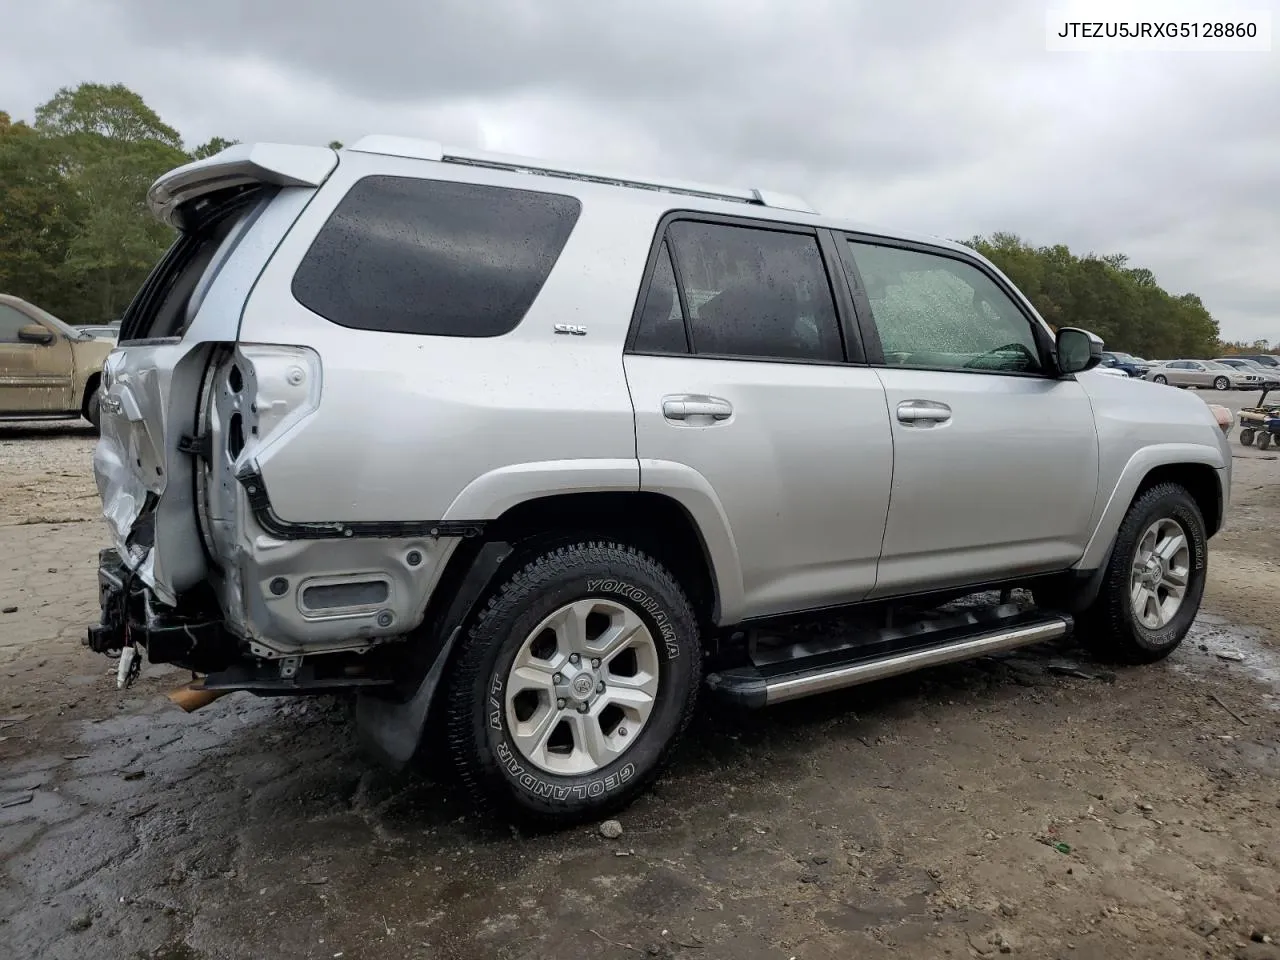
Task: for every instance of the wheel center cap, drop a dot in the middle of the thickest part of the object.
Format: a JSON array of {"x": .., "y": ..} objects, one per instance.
[
  {"x": 582, "y": 685},
  {"x": 1155, "y": 570}
]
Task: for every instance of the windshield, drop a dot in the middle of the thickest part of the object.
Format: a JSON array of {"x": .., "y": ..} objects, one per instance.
[{"x": 1215, "y": 365}]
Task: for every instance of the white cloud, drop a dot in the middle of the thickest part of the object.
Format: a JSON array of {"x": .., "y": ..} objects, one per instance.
[{"x": 943, "y": 117}]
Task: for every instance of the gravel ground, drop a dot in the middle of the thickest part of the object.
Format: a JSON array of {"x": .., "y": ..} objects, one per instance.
[{"x": 1001, "y": 806}]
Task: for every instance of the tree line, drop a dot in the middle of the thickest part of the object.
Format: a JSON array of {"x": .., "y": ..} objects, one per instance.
[{"x": 76, "y": 237}]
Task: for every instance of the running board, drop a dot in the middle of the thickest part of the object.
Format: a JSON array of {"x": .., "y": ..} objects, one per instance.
[{"x": 766, "y": 685}]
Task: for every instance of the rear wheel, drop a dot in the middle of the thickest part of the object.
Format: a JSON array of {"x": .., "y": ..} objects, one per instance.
[
  {"x": 1264, "y": 441},
  {"x": 1154, "y": 580},
  {"x": 1221, "y": 383},
  {"x": 1246, "y": 437},
  {"x": 1160, "y": 378},
  {"x": 574, "y": 684}
]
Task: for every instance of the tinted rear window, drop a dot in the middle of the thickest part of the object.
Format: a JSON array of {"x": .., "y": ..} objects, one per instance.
[{"x": 433, "y": 257}]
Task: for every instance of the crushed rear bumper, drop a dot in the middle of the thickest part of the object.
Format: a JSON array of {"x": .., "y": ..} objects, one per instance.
[{"x": 190, "y": 635}]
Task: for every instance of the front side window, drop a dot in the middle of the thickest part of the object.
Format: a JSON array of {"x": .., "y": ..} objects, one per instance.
[
  {"x": 11, "y": 321},
  {"x": 755, "y": 293},
  {"x": 941, "y": 313},
  {"x": 434, "y": 257}
]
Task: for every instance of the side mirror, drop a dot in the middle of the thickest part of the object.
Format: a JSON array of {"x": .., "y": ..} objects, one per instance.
[
  {"x": 35, "y": 334},
  {"x": 1078, "y": 350}
]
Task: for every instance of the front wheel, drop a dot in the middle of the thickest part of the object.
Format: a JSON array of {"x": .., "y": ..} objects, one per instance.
[
  {"x": 93, "y": 409},
  {"x": 1160, "y": 378},
  {"x": 1154, "y": 580},
  {"x": 1221, "y": 383},
  {"x": 574, "y": 684},
  {"x": 1264, "y": 441},
  {"x": 1246, "y": 437}
]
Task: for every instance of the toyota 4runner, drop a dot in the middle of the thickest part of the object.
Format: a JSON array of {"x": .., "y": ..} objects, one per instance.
[{"x": 525, "y": 456}]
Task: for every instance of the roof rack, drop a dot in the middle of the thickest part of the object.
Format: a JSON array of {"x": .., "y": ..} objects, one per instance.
[{"x": 431, "y": 150}]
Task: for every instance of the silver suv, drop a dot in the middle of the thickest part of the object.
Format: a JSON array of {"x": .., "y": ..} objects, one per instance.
[{"x": 524, "y": 456}]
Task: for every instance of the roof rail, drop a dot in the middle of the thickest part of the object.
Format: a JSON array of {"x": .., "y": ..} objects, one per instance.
[{"x": 431, "y": 150}]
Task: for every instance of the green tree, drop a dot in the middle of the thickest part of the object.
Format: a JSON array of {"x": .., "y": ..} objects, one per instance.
[
  {"x": 1105, "y": 294},
  {"x": 75, "y": 233},
  {"x": 212, "y": 146},
  {"x": 111, "y": 112}
]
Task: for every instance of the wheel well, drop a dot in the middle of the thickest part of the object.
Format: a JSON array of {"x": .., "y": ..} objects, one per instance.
[
  {"x": 1199, "y": 479},
  {"x": 90, "y": 385},
  {"x": 651, "y": 522}
]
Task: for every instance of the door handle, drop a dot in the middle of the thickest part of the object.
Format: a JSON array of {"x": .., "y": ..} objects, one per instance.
[
  {"x": 684, "y": 406},
  {"x": 923, "y": 411}
]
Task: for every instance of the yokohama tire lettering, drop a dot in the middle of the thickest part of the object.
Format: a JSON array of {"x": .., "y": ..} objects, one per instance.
[{"x": 650, "y": 606}]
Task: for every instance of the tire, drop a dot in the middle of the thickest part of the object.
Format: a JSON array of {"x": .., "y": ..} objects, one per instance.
[
  {"x": 1160, "y": 378},
  {"x": 1264, "y": 441},
  {"x": 555, "y": 785},
  {"x": 1246, "y": 437},
  {"x": 1221, "y": 383},
  {"x": 1110, "y": 628},
  {"x": 93, "y": 409}
]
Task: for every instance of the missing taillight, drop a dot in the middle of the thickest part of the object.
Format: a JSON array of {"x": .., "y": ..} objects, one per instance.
[{"x": 235, "y": 436}]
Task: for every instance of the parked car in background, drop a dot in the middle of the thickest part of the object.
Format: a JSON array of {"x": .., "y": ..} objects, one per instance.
[
  {"x": 1269, "y": 377},
  {"x": 549, "y": 604},
  {"x": 48, "y": 369},
  {"x": 1127, "y": 362},
  {"x": 1264, "y": 359},
  {"x": 1109, "y": 372},
  {"x": 1203, "y": 373},
  {"x": 110, "y": 331}
]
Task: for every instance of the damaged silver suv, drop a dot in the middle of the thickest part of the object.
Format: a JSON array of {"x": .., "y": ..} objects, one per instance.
[{"x": 524, "y": 456}]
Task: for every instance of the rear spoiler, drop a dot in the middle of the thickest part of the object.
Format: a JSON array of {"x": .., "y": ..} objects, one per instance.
[{"x": 282, "y": 164}]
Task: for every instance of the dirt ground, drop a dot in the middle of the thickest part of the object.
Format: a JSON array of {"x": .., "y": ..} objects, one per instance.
[{"x": 998, "y": 807}]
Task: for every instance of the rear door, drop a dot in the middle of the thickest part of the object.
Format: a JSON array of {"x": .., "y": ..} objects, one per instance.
[
  {"x": 230, "y": 211},
  {"x": 1195, "y": 374},
  {"x": 738, "y": 373},
  {"x": 995, "y": 465}
]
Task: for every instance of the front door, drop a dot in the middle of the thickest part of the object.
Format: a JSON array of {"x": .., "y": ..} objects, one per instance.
[
  {"x": 35, "y": 378},
  {"x": 995, "y": 465},
  {"x": 737, "y": 370}
]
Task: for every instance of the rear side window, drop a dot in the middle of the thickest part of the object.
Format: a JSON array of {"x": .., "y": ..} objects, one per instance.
[
  {"x": 433, "y": 257},
  {"x": 662, "y": 327},
  {"x": 747, "y": 292}
]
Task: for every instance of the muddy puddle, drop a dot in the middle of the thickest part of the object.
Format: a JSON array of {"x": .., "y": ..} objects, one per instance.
[{"x": 1219, "y": 648}]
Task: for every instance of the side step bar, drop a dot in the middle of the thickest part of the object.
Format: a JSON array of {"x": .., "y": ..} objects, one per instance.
[{"x": 764, "y": 686}]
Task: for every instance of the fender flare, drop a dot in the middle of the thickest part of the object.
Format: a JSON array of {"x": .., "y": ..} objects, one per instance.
[
  {"x": 491, "y": 494},
  {"x": 1142, "y": 462}
]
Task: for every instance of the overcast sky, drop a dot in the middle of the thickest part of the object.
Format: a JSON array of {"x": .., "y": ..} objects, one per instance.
[{"x": 941, "y": 116}]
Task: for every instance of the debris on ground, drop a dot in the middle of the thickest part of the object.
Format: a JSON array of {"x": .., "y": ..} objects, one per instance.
[
  {"x": 611, "y": 829},
  {"x": 1235, "y": 656},
  {"x": 1069, "y": 668}
]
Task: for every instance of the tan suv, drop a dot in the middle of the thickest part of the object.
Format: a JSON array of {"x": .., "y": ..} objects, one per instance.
[{"x": 48, "y": 370}]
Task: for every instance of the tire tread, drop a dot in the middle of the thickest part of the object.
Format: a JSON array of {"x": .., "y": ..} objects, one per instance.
[{"x": 522, "y": 587}]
